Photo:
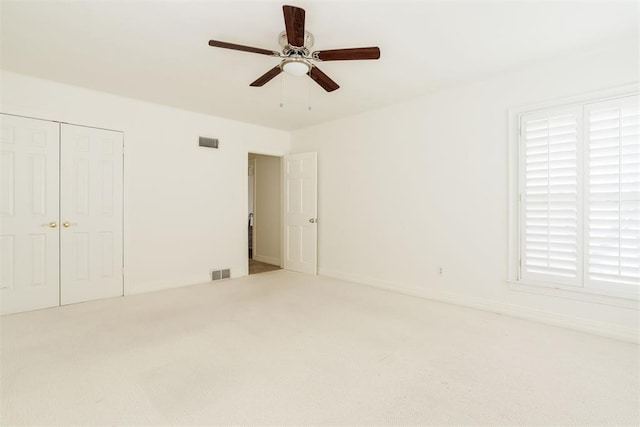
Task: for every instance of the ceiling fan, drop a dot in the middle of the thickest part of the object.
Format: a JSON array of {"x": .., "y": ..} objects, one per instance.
[{"x": 297, "y": 59}]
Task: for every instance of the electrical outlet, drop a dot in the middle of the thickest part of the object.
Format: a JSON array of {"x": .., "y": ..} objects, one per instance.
[{"x": 440, "y": 271}]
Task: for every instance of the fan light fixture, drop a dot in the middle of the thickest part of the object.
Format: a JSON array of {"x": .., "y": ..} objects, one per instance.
[{"x": 296, "y": 67}]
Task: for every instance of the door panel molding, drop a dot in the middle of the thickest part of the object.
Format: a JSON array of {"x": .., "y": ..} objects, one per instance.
[
  {"x": 61, "y": 213},
  {"x": 300, "y": 182},
  {"x": 91, "y": 204},
  {"x": 29, "y": 211}
]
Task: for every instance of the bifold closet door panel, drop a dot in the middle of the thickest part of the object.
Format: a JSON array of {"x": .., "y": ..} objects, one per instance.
[
  {"x": 91, "y": 166},
  {"x": 29, "y": 223}
]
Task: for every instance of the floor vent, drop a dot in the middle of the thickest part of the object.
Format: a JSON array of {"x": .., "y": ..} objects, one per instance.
[{"x": 224, "y": 273}]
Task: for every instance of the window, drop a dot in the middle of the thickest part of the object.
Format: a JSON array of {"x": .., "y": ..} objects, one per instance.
[{"x": 579, "y": 196}]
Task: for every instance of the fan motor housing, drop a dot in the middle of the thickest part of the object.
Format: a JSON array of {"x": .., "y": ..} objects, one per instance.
[{"x": 300, "y": 50}]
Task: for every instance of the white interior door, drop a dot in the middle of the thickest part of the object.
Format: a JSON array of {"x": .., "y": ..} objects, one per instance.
[
  {"x": 300, "y": 213},
  {"x": 29, "y": 210},
  {"x": 91, "y": 164}
]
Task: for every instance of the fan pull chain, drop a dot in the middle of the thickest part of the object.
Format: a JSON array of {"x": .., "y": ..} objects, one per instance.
[
  {"x": 281, "y": 91},
  {"x": 309, "y": 93}
]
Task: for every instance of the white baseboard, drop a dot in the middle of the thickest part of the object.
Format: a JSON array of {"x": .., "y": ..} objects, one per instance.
[
  {"x": 143, "y": 288},
  {"x": 570, "y": 322},
  {"x": 267, "y": 259}
]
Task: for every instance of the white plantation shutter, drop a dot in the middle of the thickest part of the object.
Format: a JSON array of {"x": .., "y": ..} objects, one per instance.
[
  {"x": 580, "y": 196},
  {"x": 550, "y": 199},
  {"x": 612, "y": 193}
]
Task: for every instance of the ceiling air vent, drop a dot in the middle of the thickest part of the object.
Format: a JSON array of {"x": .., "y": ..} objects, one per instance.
[{"x": 208, "y": 142}]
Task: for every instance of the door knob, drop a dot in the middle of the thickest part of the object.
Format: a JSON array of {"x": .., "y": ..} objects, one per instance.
[
  {"x": 52, "y": 224},
  {"x": 312, "y": 220},
  {"x": 66, "y": 224}
]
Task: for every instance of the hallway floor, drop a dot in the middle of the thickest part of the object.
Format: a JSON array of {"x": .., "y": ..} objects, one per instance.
[{"x": 257, "y": 267}]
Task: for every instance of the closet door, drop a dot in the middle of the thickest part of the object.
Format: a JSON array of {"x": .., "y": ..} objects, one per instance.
[
  {"x": 29, "y": 225},
  {"x": 90, "y": 214}
]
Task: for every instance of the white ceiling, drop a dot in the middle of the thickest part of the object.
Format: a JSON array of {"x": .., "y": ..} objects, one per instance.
[{"x": 157, "y": 51}]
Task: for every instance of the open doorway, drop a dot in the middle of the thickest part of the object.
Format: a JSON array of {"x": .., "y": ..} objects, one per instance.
[{"x": 264, "y": 219}]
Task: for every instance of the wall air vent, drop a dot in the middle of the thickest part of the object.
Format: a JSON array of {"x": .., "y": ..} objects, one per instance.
[
  {"x": 220, "y": 274},
  {"x": 208, "y": 142}
]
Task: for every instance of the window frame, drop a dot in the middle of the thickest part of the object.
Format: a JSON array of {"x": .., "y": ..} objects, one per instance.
[{"x": 611, "y": 295}]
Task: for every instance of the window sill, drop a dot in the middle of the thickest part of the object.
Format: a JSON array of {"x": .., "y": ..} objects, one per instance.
[{"x": 625, "y": 300}]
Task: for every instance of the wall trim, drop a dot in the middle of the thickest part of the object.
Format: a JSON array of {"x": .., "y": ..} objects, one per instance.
[
  {"x": 576, "y": 323},
  {"x": 628, "y": 301},
  {"x": 267, "y": 259},
  {"x": 148, "y": 287}
]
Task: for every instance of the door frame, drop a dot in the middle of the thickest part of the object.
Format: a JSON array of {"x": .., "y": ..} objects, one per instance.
[
  {"x": 246, "y": 245},
  {"x": 252, "y": 178}
]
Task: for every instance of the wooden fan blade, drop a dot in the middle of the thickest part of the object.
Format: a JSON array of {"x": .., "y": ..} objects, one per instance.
[
  {"x": 225, "y": 45},
  {"x": 260, "y": 81},
  {"x": 294, "y": 25},
  {"x": 322, "y": 79},
  {"x": 348, "y": 54}
]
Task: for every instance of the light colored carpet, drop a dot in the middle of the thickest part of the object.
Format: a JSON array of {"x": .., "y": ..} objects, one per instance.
[{"x": 286, "y": 348}]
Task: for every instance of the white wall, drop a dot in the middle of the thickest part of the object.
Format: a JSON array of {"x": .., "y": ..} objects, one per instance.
[
  {"x": 406, "y": 189},
  {"x": 185, "y": 206},
  {"x": 267, "y": 210},
  {"x": 402, "y": 190}
]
